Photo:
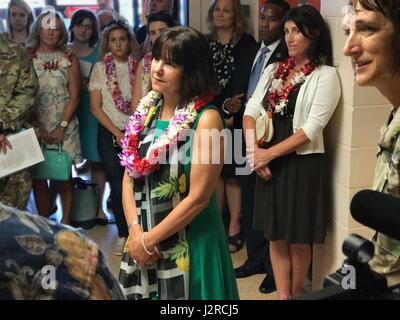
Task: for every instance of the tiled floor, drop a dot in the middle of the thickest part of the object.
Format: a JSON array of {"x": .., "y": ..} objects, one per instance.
[{"x": 105, "y": 236}]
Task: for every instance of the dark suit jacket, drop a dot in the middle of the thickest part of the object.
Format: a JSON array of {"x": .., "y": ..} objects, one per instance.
[
  {"x": 279, "y": 54},
  {"x": 245, "y": 53}
]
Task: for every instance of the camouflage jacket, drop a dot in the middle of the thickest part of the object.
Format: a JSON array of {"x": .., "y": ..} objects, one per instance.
[
  {"x": 387, "y": 180},
  {"x": 18, "y": 85}
]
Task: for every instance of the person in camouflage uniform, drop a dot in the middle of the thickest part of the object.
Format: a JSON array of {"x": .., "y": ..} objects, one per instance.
[
  {"x": 376, "y": 54},
  {"x": 17, "y": 94}
]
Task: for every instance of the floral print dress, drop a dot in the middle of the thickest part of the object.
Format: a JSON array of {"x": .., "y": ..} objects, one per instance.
[{"x": 52, "y": 96}]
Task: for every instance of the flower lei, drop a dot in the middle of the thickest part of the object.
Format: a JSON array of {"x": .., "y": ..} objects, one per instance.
[
  {"x": 278, "y": 98},
  {"x": 112, "y": 81},
  {"x": 178, "y": 126},
  {"x": 41, "y": 63},
  {"x": 148, "y": 57}
]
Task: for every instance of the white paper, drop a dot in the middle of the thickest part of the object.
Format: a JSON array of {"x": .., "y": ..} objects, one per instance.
[
  {"x": 25, "y": 153},
  {"x": 85, "y": 68}
]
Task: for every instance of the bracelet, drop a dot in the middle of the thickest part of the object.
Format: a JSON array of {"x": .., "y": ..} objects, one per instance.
[
  {"x": 223, "y": 106},
  {"x": 144, "y": 246},
  {"x": 134, "y": 222}
]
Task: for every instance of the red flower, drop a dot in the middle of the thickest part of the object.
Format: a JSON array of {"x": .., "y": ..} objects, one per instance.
[{"x": 283, "y": 70}]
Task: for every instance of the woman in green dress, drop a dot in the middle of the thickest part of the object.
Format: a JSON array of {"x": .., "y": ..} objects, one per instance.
[{"x": 177, "y": 247}]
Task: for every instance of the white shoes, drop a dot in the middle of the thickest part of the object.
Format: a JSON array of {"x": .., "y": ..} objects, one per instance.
[{"x": 119, "y": 246}]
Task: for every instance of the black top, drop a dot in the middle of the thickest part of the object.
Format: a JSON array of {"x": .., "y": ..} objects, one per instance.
[
  {"x": 240, "y": 76},
  {"x": 141, "y": 34}
]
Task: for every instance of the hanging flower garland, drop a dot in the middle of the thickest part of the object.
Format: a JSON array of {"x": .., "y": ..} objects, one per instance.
[
  {"x": 278, "y": 97},
  {"x": 48, "y": 62},
  {"x": 112, "y": 81},
  {"x": 147, "y": 59},
  {"x": 178, "y": 126}
]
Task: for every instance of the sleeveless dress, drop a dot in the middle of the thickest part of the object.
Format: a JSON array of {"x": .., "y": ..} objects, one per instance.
[
  {"x": 196, "y": 263},
  {"x": 292, "y": 206},
  {"x": 52, "y": 97},
  {"x": 88, "y": 124}
]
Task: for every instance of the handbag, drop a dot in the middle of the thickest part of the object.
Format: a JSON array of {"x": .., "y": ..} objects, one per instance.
[
  {"x": 85, "y": 204},
  {"x": 57, "y": 165},
  {"x": 264, "y": 128}
]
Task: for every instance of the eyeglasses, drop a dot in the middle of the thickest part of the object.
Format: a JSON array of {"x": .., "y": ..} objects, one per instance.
[{"x": 84, "y": 26}]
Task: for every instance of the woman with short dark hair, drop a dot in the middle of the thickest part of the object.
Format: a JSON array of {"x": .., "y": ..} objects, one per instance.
[
  {"x": 373, "y": 43},
  {"x": 302, "y": 93},
  {"x": 177, "y": 247},
  {"x": 156, "y": 23}
]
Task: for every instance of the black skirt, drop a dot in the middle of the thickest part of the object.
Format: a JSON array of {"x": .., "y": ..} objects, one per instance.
[{"x": 292, "y": 206}]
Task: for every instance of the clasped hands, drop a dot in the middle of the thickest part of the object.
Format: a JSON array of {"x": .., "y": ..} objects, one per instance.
[
  {"x": 136, "y": 250},
  {"x": 259, "y": 160},
  {"x": 234, "y": 104},
  {"x": 56, "y": 136}
]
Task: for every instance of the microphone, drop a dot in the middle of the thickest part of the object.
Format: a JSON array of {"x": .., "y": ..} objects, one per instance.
[{"x": 377, "y": 210}]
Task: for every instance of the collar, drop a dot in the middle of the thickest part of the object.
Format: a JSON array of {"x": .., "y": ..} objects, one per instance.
[{"x": 272, "y": 46}]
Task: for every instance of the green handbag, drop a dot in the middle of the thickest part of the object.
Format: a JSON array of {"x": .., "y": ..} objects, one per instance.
[{"x": 57, "y": 165}]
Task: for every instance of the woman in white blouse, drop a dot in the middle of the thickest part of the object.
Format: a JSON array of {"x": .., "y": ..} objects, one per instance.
[
  {"x": 290, "y": 196},
  {"x": 111, "y": 88}
]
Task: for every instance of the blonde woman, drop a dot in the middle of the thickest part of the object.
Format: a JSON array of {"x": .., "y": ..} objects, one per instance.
[
  {"x": 111, "y": 89},
  {"x": 57, "y": 70},
  {"x": 19, "y": 20},
  {"x": 230, "y": 45}
]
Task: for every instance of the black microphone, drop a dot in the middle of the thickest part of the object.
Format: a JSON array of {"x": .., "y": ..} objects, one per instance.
[{"x": 378, "y": 211}]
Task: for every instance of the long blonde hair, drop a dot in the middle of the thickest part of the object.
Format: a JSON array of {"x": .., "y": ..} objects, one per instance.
[
  {"x": 21, "y": 4},
  {"x": 239, "y": 24},
  {"x": 34, "y": 37}
]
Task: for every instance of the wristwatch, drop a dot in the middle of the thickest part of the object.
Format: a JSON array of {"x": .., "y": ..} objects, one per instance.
[{"x": 63, "y": 124}]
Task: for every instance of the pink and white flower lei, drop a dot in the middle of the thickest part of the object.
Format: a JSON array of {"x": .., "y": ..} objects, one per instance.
[
  {"x": 112, "y": 81},
  {"x": 178, "y": 126}
]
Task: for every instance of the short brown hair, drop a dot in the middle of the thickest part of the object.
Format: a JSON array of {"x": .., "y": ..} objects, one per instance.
[
  {"x": 391, "y": 10},
  {"x": 189, "y": 49},
  {"x": 239, "y": 24}
]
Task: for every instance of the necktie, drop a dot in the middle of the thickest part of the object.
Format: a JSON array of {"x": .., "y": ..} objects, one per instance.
[{"x": 256, "y": 72}]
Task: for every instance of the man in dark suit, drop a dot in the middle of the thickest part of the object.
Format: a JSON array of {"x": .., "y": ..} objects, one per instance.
[{"x": 269, "y": 50}]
